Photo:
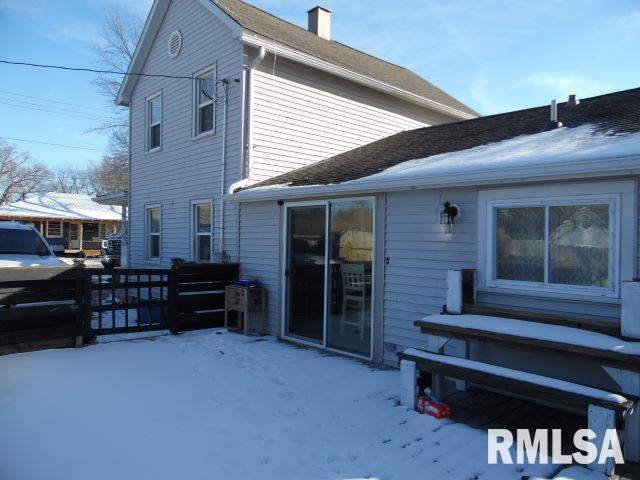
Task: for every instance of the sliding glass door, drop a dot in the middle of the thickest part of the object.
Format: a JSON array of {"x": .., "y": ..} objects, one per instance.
[
  {"x": 305, "y": 272},
  {"x": 329, "y": 274}
]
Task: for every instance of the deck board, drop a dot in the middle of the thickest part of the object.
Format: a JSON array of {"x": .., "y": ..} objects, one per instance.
[{"x": 482, "y": 409}]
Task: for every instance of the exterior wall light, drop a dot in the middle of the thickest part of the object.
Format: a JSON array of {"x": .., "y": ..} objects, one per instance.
[{"x": 450, "y": 212}]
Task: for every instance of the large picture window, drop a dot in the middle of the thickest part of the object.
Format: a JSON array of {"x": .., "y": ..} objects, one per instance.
[
  {"x": 563, "y": 239},
  {"x": 201, "y": 231},
  {"x": 555, "y": 244},
  {"x": 205, "y": 95},
  {"x": 153, "y": 228},
  {"x": 154, "y": 122}
]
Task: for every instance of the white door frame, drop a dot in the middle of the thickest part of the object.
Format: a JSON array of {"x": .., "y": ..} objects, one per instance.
[
  {"x": 78, "y": 246},
  {"x": 284, "y": 281}
]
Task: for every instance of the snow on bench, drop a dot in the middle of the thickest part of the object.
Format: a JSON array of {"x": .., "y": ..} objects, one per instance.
[
  {"x": 519, "y": 376},
  {"x": 568, "y": 340}
]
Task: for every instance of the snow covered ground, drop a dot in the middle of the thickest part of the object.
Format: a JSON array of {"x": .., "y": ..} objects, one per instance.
[
  {"x": 88, "y": 262},
  {"x": 213, "y": 404}
]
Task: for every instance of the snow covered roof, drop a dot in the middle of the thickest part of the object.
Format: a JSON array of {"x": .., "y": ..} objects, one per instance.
[
  {"x": 510, "y": 147},
  {"x": 68, "y": 206}
]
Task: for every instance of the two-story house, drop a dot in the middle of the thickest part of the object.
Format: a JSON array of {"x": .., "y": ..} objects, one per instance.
[{"x": 222, "y": 92}]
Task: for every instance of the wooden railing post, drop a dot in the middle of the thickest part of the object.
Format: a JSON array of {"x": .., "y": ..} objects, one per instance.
[
  {"x": 172, "y": 297},
  {"x": 86, "y": 302}
]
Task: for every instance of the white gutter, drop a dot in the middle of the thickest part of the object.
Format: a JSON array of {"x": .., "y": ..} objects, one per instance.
[
  {"x": 296, "y": 55},
  {"x": 598, "y": 167}
]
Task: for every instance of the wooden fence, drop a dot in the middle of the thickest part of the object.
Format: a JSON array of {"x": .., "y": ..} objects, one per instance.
[{"x": 45, "y": 304}]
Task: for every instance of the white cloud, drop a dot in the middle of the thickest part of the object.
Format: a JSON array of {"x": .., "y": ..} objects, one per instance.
[
  {"x": 564, "y": 84},
  {"x": 480, "y": 93},
  {"x": 628, "y": 25},
  {"x": 76, "y": 31}
]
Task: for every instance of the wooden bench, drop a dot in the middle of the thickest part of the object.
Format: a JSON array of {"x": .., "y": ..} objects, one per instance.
[
  {"x": 574, "y": 343},
  {"x": 602, "y": 407}
]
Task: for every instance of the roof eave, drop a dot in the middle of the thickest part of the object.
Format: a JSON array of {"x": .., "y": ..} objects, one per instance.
[
  {"x": 285, "y": 51},
  {"x": 588, "y": 168}
]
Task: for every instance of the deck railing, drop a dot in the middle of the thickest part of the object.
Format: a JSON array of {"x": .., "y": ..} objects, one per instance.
[{"x": 44, "y": 304}]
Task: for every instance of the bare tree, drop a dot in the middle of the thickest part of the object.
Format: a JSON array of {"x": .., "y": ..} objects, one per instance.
[
  {"x": 118, "y": 39},
  {"x": 19, "y": 174},
  {"x": 69, "y": 180}
]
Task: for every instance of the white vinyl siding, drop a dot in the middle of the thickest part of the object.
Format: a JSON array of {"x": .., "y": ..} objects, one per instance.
[
  {"x": 185, "y": 166},
  {"x": 300, "y": 116},
  {"x": 260, "y": 252}
]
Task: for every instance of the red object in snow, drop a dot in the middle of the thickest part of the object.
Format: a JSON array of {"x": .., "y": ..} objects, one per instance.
[{"x": 431, "y": 406}]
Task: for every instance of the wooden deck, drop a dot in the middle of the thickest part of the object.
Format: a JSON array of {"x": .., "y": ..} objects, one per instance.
[{"x": 485, "y": 410}]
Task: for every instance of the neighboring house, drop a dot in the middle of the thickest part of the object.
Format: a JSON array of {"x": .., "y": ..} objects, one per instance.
[
  {"x": 517, "y": 187},
  {"x": 229, "y": 93},
  {"x": 68, "y": 221}
]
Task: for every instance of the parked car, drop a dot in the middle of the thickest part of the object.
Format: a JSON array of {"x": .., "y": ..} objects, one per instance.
[
  {"x": 110, "y": 251},
  {"x": 23, "y": 246}
]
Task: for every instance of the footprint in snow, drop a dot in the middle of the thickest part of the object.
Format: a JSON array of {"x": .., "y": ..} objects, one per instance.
[
  {"x": 277, "y": 380},
  {"x": 286, "y": 395}
]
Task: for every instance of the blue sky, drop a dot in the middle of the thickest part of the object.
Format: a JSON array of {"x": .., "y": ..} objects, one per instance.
[{"x": 493, "y": 55}]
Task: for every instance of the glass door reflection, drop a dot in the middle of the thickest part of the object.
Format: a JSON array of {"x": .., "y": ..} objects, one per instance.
[{"x": 350, "y": 276}]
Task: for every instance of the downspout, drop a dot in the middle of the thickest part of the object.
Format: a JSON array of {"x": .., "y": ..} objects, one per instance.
[
  {"x": 225, "y": 84},
  {"x": 127, "y": 208},
  {"x": 247, "y": 126},
  {"x": 249, "y": 103}
]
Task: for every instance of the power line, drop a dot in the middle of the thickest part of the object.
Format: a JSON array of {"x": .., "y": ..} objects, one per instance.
[
  {"x": 50, "y": 100},
  {"x": 93, "y": 70},
  {"x": 57, "y": 109},
  {"x": 53, "y": 144},
  {"x": 84, "y": 117}
]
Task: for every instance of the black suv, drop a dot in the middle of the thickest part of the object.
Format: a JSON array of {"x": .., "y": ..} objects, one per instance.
[{"x": 110, "y": 251}]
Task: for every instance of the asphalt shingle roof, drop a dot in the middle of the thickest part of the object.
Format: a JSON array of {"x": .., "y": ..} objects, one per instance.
[
  {"x": 617, "y": 112},
  {"x": 263, "y": 23}
]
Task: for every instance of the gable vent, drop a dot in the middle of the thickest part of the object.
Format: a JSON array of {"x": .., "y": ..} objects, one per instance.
[{"x": 175, "y": 43}]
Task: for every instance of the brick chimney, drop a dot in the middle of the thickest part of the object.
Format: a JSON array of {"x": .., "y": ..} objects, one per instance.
[{"x": 320, "y": 22}]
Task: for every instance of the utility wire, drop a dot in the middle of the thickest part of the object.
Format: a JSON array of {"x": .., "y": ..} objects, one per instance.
[
  {"x": 57, "y": 109},
  {"x": 53, "y": 144},
  {"x": 16, "y": 94},
  {"x": 84, "y": 117},
  {"x": 93, "y": 70}
]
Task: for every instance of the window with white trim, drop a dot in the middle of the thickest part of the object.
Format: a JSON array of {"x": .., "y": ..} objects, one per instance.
[
  {"x": 205, "y": 94},
  {"x": 154, "y": 122},
  {"x": 201, "y": 228},
  {"x": 562, "y": 239},
  {"x": 54, "y": 229},
  {"x": 154, "y": 232}
]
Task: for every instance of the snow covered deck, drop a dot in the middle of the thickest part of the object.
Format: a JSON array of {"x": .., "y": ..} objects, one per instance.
[{"x": 211, "y": 404}]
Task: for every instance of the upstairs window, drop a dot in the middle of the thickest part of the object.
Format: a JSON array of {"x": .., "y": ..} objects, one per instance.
[
  {"x": 205, "y": 96},
  {"x": 154, "y": 122}
]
